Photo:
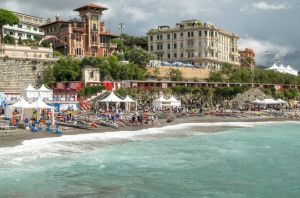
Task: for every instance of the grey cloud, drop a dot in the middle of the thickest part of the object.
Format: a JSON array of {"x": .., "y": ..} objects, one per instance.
[{"x": 275, "y": 23}]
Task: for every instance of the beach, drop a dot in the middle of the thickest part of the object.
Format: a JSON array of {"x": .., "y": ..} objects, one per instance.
[{"x": 15, "y": 137}]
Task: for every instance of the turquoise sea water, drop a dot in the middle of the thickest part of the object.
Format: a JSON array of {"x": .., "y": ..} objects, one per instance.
[{"x": 256, "y": 160}]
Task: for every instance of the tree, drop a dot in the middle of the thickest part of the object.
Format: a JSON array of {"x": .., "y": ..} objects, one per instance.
[
  {"x": 215, "y": 76},
  {"x": 9, "y": 40},
  {"x": 175, "y": 75},
  {"x": 48, "y": 76},
  {"x": 138, "y": 56},
  {"x": 67, "y": 69},
  {"x": 156, "y": 72},
  {"x": 6, "y": 18}
]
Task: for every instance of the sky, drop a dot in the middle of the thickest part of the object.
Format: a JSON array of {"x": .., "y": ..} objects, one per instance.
[{"x": 267, "y": 25}]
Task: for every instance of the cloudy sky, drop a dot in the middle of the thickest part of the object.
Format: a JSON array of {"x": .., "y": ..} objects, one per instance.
[{"x": 271, "y": 25}]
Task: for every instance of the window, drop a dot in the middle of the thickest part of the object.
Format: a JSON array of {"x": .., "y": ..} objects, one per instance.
[
  {"x": 192, "y": 34},
  {"x": 189, "y": 34},
  {"x": 168, "y": 36},
  {"x": 175, "y": 55},
  {"x": 181, "y": 45},
  {"x": 29, "y": 36},
  {"x": 94, "y": 26},
  {"x": 181, "y": 55},
  {"x": 174, "y": 35},
  {"x": 35, "y": 29},
  {"x": 211, "y": 34},
  {"x": 78, "y": 37},
  {"x": 20, "y": 34},
  {"x": 169, "y": 56},
  {"x": 175, "y": 45},
  {"x": 157, "y": 37},
  {"x": 161, "y": 37},
  {"x": 11, "y": 33},
  {"x": 151, "y": 47},
  {"x": 151, "y": 38},
  {"x": 181, "y": 34},
  {"x": 78, "y": 51},
  {"x": 94, "y": 38},
  {"x": 20, "y": 26},
  {"x": 28, "y": 28},
  {"x": 200, "y": 33},
  {"x": 91, "y": 75},
  {"x": 205, "y": 32},
  {"x": 169, "y": 46}
]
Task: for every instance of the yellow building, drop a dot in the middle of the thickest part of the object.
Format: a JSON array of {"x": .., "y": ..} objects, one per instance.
[{"x": 203, "y": 45}]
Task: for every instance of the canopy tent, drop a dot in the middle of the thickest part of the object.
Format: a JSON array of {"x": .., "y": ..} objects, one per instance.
[
  {"x": 160, "y": 102},
  {"x": 45, "y": 93},
  {"x": 22, "y": 104},
  {"x": 280, "y": 101},
  {"x": 25, "y": 105},
  {"x": 128, "y": 101},
  {"x": 284, "y": 69},
  {"x": 269, "y": 102},
  {"x": 30, "y": 92},
  {"x": 40, "y": 104},
  {"x": 257, "y": 101},
  {"x": 174, "y": 102},
  {"x": 111, "y": 98}
]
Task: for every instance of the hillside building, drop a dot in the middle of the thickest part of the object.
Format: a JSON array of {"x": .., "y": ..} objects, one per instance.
[
  {"x": 203, "y": 45},
  {"x": 82, "y": 37}
]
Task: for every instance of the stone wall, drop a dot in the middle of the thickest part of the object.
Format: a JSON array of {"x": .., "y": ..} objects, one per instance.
[
  {"x": 17, "y": 73},
  {"x": 187, "y": 73}
]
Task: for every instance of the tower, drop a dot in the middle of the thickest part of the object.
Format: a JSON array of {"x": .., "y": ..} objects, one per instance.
[{"x": 90, "y": 14}]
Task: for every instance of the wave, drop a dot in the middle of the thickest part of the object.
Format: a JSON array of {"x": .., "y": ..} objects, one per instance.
[{"x": 69, "y": 144}]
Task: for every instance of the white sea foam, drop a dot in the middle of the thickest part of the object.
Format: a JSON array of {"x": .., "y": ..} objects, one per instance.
[{"x": 53, "y": 147}]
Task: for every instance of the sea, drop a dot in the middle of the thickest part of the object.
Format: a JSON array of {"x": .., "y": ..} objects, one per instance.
[{"x": 228, "y": 160}]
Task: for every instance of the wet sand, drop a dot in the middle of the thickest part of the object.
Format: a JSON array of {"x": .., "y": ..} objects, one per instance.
[{"x": 16, "y": 137}]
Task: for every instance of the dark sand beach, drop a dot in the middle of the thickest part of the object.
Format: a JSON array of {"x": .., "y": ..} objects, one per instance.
[{"x": 16, "y": 137}]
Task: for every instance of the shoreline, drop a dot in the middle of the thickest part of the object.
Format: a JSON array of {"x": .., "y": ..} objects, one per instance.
[{"x": 16, "y": 137}]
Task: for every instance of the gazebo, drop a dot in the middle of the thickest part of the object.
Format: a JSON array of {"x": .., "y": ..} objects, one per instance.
[
  {"x": 30, "y": 92},
  {"x": 39, "y": 105},
  {"x": 111, "y": 98},
  {"x": 174, "y": 102},
  {"x": 45, "y": 93},
  {"x": 128, "y": 101},
  {"x": 22, "y": 104},
  {"x": 160, "y": 102}
]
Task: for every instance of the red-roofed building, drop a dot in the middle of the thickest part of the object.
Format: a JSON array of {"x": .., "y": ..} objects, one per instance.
[{"x": 81, "y": 37}]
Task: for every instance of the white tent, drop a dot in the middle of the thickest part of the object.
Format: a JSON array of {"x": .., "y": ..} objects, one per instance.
[
  {"x": 284, "y": 69},
  {"x": 40, "y": 104},
  {"x": 22, "y": 104},
  {"x": 112, "y": 98},
  {"x": 280, "y": 101},
  {"x": 30, "y": 92},
  {"x": 45, "y": 93},
  {"x": 160, "y": 102},
  {"x": 274, "y": 67},
  {"x": 270, "y": 102},
  {"x": 174, "y": 102},
  {"x": 128, "y": 100},
  {"x": 257, "y": 101}
]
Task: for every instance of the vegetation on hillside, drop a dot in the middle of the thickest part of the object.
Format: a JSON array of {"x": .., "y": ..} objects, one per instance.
[
  {"x": 232, "y": 74},
  {"x": 6, "y": 18}
]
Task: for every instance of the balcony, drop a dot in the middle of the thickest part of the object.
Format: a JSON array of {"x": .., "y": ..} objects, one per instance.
[
  {"x": 113, "y": 45},
  {"x": 108, "y": 45}
]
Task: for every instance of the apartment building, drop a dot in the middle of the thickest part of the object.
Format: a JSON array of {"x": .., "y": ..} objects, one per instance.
[
  {"x": 82, "y": 37},
  {"x": 28, "y": 28},
  {"x": 202, "y": 45}
]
